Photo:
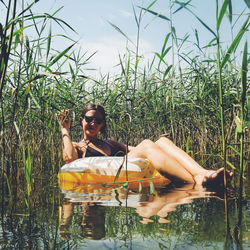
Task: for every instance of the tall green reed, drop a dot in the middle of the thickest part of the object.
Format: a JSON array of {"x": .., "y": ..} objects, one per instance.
[
  {"x": 6, "y": 41},
  {"x": 244, "y": 70},
  {"x": 29, "y": 91},
  {"x": 223, "y": 59},
  {"x": 46, "y": 80},
  {"x": 28, "y": 163}
]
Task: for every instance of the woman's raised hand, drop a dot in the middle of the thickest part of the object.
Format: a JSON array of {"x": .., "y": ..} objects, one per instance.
[{"x": 64, "y": 118}]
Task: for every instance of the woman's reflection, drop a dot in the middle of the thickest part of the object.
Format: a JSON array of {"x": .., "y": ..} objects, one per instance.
[
  {"x": 160, "y": 204},
  {"x": 93, "y": 221},
  {"x": 92, "y": 224}
]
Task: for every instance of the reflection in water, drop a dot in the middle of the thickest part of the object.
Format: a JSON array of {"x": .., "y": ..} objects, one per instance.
[
  {"x": 92, "y": 223},
  {"x": 167, "y": 200},
  {"x": 93, "y": 200},
  {"x": 65, "y": 220},
  {"x": 125, "y": 219}
]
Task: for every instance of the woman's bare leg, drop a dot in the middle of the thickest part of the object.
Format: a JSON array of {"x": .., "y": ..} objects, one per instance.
[
  {"x": 165, "y": 164},
  {"x": 201, "y": 175},
  {"x": 162, "y": 205},
  {"x": 181, "y": 156},
  {"x": 175, "y": 164}
]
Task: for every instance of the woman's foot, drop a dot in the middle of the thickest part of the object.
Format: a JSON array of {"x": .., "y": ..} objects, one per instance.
[{"x": 216, "y": 178}]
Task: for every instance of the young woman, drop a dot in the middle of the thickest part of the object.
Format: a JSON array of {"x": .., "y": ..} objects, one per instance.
[{"x": 170, "y": 161}]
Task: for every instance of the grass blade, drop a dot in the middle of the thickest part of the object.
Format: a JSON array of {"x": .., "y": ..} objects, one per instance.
[
  {"x": 155, "y": 13},
  {"x": 206, "y": 26},
  {"x": 119, "y": 170},
  {"x": 183, "y": 5},
  {"x": 222, "y": 13},
  {"x": 243, "y": 99},
  {"x": 59, "y": 56},
  {"x": 49, "y": 42},
  {"x": 3, "y": 3},
  {"x": 165, "y": 42},
  {"x": 28, "y": 8},
  {"x": 230, "y": 11},
  {"x": 120, "y": 31},
  {"x": 167, "y": 71},
  {"x": 247, "y": 3},
  {"x": 152, "y": 4},
  {"x": 59, "y": 21},
  {"x": 235, "y": 42},
  {"x": 136, "y": 18},
  {"x": 244, "y": 75}
]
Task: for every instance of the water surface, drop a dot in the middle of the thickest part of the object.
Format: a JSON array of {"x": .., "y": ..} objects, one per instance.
[{"x": 169, "y": 217}]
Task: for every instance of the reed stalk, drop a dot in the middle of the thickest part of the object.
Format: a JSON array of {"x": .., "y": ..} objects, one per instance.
[
  {"x": 172, "y": 104},
  {"x": 27, "y": 160},
  {"x": 244, "y": 70},
  {"x": 221, "y": 108},
  {"x": 4, "y": 59},
  {"x": 37, "y": 84},
  {"x": 6, "y": 45},
  {"x": 238, "y": 235},
  {"x": 138, "y": 20},
  {"x": 221, "y": 90}
]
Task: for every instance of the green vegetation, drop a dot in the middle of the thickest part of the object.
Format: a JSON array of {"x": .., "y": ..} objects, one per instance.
[
  {"x": 204, "y": 106},
  {"x": 201, "y": 99}
]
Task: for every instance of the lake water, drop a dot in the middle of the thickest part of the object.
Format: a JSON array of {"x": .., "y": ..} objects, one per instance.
[{"x": 170, "y": 217}]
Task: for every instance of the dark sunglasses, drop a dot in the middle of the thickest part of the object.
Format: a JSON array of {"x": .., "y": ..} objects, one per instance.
[{"x": 90, "y": 119}]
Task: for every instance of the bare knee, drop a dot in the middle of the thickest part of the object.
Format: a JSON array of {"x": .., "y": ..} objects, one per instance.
[
  {"x": 146, "y": 144},
  {"x": 143, "y": 148},
  {"x": 165, "y": 141}
]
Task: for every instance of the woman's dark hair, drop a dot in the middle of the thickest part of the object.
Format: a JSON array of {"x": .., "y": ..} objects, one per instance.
[{"x": 98, "y": 108}]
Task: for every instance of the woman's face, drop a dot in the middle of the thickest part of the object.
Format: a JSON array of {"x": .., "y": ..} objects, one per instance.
[{"x": 92, "y": 123}]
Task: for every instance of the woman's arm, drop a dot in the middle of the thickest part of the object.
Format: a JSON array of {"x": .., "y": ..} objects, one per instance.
[{"x": 68, "y": 147}]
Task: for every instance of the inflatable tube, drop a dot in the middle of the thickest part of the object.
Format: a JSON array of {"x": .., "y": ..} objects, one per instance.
[
  {"x": 107, "y": 197},
  {"x": 103, "y": 170}
]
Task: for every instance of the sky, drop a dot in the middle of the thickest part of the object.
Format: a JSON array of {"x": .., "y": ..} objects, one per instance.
[{"x": 91, "y": 20}]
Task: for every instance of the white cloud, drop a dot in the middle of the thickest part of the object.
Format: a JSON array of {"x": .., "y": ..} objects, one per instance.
[
  {"x": 108, "y": 50},
  {"x": 126, "y": 13}
]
